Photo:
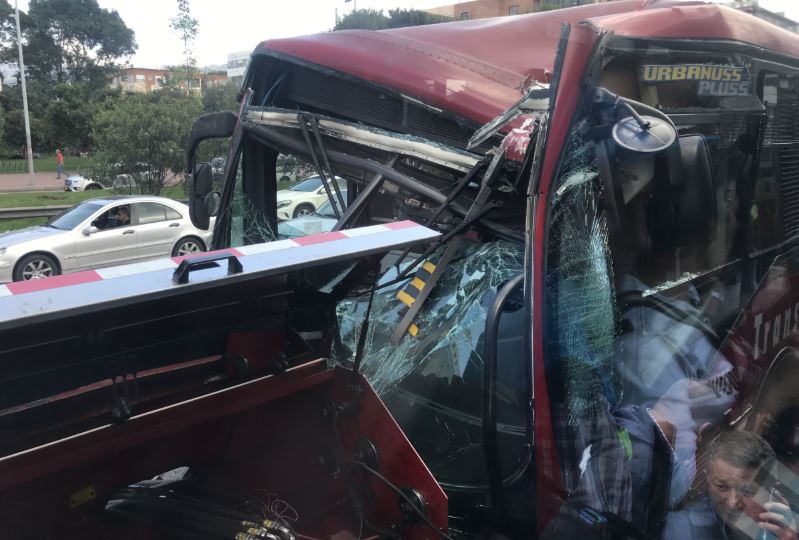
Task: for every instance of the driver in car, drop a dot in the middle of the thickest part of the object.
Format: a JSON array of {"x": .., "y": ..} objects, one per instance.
[{"x": 123, "y": 216}]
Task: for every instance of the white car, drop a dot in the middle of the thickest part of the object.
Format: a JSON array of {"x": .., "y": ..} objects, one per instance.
[
  {"x": 108, "y": 231},
  {"x": 77, "y": 182},
  {"x": 304, "y": 198},
  {"x": 321, "y": 221}
]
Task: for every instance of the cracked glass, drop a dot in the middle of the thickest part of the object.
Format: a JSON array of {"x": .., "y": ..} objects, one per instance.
[{"x": 432, "y": 382}]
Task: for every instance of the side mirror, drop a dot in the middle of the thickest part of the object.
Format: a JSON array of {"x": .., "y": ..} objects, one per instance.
[
  {"x": 90, "y": 230},
  {"x": 199, "y": 188},
  {"x": 212, "y": 201}
]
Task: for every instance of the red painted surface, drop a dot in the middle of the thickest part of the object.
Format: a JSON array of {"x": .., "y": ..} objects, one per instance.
[
  {"x": 478, "y": 68},
  {"x": 578, "y": 52},
  {"x": 474, "y": 68},
  {"x": 319, "y": 238},
  {"x": 406, "y": 224},
  {"x": 275, "y": 433},
  {"x": 399, "y": 461},
  {"x": 22, "y": 287},
  {"x": 710, "y": 21}
]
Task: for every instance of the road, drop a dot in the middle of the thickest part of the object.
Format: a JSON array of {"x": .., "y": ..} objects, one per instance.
[{"x": 43, "y": 181}]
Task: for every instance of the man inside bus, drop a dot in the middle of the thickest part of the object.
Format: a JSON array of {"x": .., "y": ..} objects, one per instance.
[
  {"x": 743, "y": 499},
  {"x": 665, "y": 336},
  {"x": 669, "y": 362}
]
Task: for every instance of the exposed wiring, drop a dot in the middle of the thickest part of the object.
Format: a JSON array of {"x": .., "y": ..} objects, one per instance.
[{"x": 404, "y": 497}]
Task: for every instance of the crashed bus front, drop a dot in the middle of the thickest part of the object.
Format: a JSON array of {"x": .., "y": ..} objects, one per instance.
[
  {"x": 561, "y": 256},
  {"x": 615, "y": 197}
]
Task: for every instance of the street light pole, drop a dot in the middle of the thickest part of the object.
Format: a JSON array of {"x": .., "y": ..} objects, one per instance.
[{"x": 24, "y": 96}]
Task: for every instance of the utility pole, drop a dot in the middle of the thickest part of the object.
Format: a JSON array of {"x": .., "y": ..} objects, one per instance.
[{"x": 24, "y": 96}]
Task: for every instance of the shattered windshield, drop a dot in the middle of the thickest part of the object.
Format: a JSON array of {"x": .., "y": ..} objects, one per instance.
[
  {"x": 669, "y": 298},
  {"x": 432, "y": 381}
]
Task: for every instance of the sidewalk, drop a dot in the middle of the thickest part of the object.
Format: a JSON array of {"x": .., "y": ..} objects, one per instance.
[{"x": 43, "y": 181}]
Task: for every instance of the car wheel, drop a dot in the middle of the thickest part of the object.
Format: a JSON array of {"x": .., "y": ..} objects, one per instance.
[
  {"x": 285, "y": 178},
  {"x": 35, "y": 266},
  {"x": 93, "y": 186},
  {"x": 303, "y": 210},
  {"x": 187, "y": 246}
]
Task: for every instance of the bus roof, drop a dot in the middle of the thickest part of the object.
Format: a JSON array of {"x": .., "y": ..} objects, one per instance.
[{"x": 477, "y": 68}]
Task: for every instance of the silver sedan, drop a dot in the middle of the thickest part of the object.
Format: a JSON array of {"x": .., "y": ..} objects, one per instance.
[{"x": 100, "y": 232}]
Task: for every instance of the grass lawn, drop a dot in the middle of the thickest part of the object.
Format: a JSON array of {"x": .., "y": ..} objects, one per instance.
[
  {"x": 46, "y": 163},
  {"x": 55, "y": 198},
  {"x": 14, "y": 224},
  {"x": 48, "y": 198}
]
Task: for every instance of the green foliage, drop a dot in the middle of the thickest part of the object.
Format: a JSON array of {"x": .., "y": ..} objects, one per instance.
[
  {"x": 14, "y": 135},
  {"x": 215, "y": 99},
  {"x": 366, "y": 19},
  {"x": 399, "y": 18},
  {"x": 144, "y": 136},
  {"x": 75, "y": 40},
  {"x": 71, "y": 48},
  {"x": 546, "y": 6},
  {"x": 370, "y": 19},
  {"x": 221, "y": 98},
  {"x": 186, "y": 27}
]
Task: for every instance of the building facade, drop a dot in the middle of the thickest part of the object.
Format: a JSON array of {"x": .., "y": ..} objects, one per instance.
[
  {"x": 237, "y": 65},
  {"x": 133, "y": 79},
  {"x": 144, "y": 80}
]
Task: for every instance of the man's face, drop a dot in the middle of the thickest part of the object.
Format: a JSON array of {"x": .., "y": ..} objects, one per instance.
[{"x": 732, "y": 493}]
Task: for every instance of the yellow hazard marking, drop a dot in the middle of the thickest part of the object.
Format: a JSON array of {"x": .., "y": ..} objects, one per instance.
[
  {"x": 413, "y": 330},
  {"x": 405, "y": 298},
  {"x": 83, "y": 496},
  {"x": 430, "y": 267},
  {"x": 418, "y": 283}
]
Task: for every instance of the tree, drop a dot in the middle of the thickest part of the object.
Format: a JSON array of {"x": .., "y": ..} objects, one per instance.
[
  {"x": 67, "y": 120},
  {"x": 146, "y": 135},
  {"x": 215, "y": 99},
  {"x": 74, "y": 41},
  {"x": 187, "y": 28},
  {"x": 399, "y": 18},
  {"x": 366, "y": 19},
  {"x": 547, "y": 6},
  {"x": 370, "y": 19},
  {"x": 221, "y": 98}
]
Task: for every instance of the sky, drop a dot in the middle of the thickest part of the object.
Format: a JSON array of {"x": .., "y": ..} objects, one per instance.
[{"x": 227, "y": 26}]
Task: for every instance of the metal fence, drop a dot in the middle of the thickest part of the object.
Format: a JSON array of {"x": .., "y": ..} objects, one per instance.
[
  {"x": 31, "y": 211},
  {"x": 13, "y": 166}
]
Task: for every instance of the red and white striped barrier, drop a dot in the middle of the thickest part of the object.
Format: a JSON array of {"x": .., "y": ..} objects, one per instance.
[{"x": 69, "y": 291}]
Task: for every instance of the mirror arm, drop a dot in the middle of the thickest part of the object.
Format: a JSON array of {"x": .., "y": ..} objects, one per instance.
[{"x": 641, "y": 122}]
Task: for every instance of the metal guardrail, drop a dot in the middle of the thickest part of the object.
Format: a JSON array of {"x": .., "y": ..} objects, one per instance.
[{"x": 32, "y": 211}]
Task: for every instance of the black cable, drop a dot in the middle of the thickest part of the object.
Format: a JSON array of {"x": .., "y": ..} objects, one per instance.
[
  {"x": 359, "y": 348},
  {"x": 407, "y": 499}
]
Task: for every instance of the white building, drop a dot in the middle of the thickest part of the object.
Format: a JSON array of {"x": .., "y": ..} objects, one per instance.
[{"x": 237, "y": 65}]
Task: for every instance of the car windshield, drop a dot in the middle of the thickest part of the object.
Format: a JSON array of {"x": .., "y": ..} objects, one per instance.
[
  {"x": 73, "y": 217},
  {"x": 309, "y": 184},
  {"x": 326, "y": 210}
]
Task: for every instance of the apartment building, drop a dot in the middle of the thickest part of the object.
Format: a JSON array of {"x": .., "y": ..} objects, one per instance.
[{"x": 134, "y": 79}]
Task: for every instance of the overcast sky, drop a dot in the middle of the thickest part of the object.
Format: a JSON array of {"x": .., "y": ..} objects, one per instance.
[{"x": 239, "y": 25}]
